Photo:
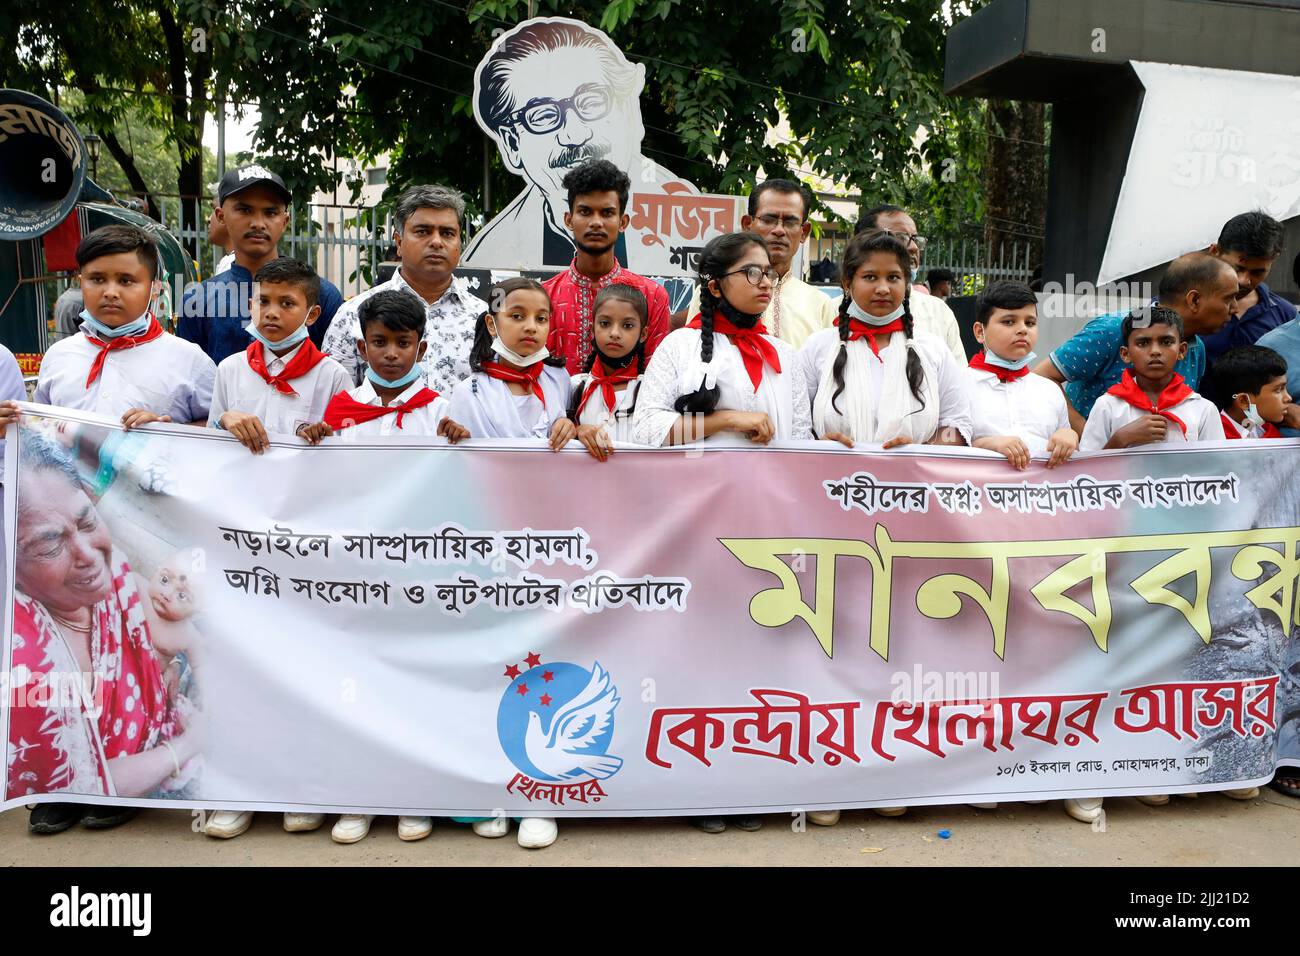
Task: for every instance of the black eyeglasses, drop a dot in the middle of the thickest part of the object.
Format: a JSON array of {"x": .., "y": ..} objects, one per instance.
[
  {"x": 591, "y": 102},
  {"x": 790, "y": 223},
  {"x": 907, "y": 237},
  {"x": 755, "y": 274}
]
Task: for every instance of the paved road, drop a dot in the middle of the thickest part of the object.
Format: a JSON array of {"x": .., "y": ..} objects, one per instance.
[{"x": 1208, "y": 831}]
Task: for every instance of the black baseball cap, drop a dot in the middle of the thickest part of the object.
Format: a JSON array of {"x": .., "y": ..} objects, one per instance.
[{"x": 244, "y": 177}]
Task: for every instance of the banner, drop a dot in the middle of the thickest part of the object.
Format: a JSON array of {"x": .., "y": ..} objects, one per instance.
[{"x": 401, "y": 626}]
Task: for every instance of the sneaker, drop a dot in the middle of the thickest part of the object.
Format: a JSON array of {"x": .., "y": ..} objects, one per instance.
[
  {"x": 1242, "y": 793},
  {"x": 302, "y": 822},
  {"x": 709, "y": 824},
  {"x": 226, "y": 824},
  {"x": 1154, "y": 799},
  {"x": 537, "y": 832},
  {"x": 983, "y": 806},
  {"x": 493, "y": 828},
  {"x": 890, "y": 811},
  {"x": 1084, "y": 809},
  {"x": 105, "y": 818},
  {"x": 824, "y": 818},
  {"x": 748, "y": 823},
  {"x": 351, "y": 828},
  {"x": 414, "y": 828},
  {"x": 49, "y": 818}
]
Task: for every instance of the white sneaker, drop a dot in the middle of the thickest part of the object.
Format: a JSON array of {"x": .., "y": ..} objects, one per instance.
[
  {"x": 302, "y": 822},
  {"x": 824, "y": 818},
  {"x": 351, "y": 828},
  {"x": 1154, "y": 799},
  {"x": 225, "y": 824},
  {"x": 493, "y": 828},
  {"x": 537, "y": 832},
  {"x": 890, "y": 811},
  {"x": 414, "y": 828},
  {"x": 983, "y": 806},
  {"x": 1242, "y": 793},
  {"x": 1084, "y": 809}
]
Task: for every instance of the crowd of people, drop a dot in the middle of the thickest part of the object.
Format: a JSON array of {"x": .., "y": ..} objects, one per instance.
[{"x": 267, "y": 349}]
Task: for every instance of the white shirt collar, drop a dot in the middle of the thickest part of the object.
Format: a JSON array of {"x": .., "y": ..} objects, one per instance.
[
  {"x": 277, "y": 363},
  {"x": 365, "y": 392},
  {"x": 455, "y": 290}
]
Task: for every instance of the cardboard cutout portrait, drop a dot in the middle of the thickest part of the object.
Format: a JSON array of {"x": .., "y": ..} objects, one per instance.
[{"x": 555, "y": 93}]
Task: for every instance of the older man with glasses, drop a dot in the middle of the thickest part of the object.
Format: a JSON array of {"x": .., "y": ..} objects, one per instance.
[{"x": 778, "y": 211}]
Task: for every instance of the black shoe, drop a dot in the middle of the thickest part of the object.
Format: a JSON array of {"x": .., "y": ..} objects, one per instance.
[
  {"x": 749, "y": 824},
  {"x": 105, "y": 818},
  {"x": 709, "y": 824},
  {"x": 49, "y": 818}
]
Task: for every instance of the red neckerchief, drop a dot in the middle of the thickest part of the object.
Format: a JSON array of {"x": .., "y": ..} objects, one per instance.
[
  {"x": 605, "y": 381},
  {"x": 530, "y": 376},
  {"x": 1003, "y": 374},
  {"x": 865, "y": 330},
  {"x": 344, "y": 411},
  {"x": 304, "y": 360},
  {"x": 1233, "y": 431},
  {"x": 1176, "y": 391},
  {"x": 754, "y": 348},
  {"x": 121, "y": 342}
]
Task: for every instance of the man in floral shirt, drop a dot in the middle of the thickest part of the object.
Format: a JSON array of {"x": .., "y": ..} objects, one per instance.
[{"x": 428, "y": 236}]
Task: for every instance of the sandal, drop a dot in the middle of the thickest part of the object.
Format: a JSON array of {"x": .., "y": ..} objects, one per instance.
[{"x": 1287, "y": 782}]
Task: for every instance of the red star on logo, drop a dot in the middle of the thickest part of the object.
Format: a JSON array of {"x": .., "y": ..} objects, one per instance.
[
  {"x": 546, "y": 700},
  {"x": 512, "y": 671},
  {"x": 533, "y": 659},
  {"x": 522, "y": 689},
  {"x": 548, "y": 676}
]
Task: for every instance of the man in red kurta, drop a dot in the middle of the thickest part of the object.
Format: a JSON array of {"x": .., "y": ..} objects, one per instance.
[{"x": 598, "y": 195}]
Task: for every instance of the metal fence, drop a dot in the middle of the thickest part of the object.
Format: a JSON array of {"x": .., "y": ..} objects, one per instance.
[
  {"x": 343, "y": 243},
  {"x": 975, "y": 264}
]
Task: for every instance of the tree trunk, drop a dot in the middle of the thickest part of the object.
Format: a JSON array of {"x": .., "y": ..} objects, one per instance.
[
  {"x": 1015, "y": 181},
  {"x": 189, "y": 110}
]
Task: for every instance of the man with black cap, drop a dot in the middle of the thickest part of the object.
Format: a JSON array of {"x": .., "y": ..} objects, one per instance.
[{"x": 253, "y": 204}]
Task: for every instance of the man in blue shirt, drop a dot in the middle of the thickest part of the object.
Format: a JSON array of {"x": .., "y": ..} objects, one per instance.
[
  {"x": 1198, "y": 286},
  {"x": 253, "y": 203},
  {"x": 1251, "y": 243}
]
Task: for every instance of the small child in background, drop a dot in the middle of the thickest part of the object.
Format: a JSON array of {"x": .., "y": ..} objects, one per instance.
[
  {"x": 604, "y": 395},
  {"x": 173, "y": 597},
  {"x": 393, "y": 399},
  {"x": 1248, "y": 384},
  {"x": 516, "y": 390},
  {"x": 1151, "y": 403},
  {"x": 1015, "y": 413},
  {"x": 281, "y": 382}
]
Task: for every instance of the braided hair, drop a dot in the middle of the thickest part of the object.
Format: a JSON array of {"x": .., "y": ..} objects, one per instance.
[
  {"x": 481, "y": 350},
  {"x": 635, "y": 298},
  {"x": 859, "y": 249},
  {"x": 717, "y": 259}
]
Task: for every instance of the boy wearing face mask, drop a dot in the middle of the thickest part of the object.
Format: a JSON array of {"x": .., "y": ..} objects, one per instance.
[
  {"x": 1015, "y": 413},
  {"x": 281, "y": 382},
  {"x": 121, "y": 362},
  {"x": 1249, "y": 386}
]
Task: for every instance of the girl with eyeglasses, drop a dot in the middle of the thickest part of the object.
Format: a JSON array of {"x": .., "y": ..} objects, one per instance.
[{"x": 723, "y": 378}]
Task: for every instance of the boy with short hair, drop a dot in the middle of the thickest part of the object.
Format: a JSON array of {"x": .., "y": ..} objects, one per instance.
[
  {"x": 121, "y": 362},
  {"x": 1248, "y": 384},
  {"x": 1015, "y": 413},
  {"x": 281, "y": 382},
  {"x": 1151, "y": 403},
  {"x": 392, "y": 400}
]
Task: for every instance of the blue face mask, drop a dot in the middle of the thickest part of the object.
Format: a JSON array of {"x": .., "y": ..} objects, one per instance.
[
  {"x": 101, "y": 331},
  {"x": 288, "y": 342},
  {"x": 862, "y": 315},
  {"x": 402, "y": 382},
  {"x": 994, "y": 359}
]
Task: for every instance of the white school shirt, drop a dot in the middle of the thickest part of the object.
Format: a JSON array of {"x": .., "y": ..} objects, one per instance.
[
  {"x": 168, "y": 376},
  {"x": 940, "y": 369},
  {"x": 486, "y": 406},
  {"x": 619, "y": 423},
  {"x": 240, "y": 389},
  {"x": 421, "y": 421},
  {"x": 676, "y": 370},
  {"x": 1111, "y": 413},
  {"x": 1031, "y": 408}
]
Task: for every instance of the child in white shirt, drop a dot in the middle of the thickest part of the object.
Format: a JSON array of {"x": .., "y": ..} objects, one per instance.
[{"x": 604, "y": 396}]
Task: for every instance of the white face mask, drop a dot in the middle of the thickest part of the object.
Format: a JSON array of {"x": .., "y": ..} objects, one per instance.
[
  {"x": 514, "y": 358},
  {"x": 992, "y": 358},
  {"x": 862, "y": 315},
  {"x": 1253, "y": 419}
]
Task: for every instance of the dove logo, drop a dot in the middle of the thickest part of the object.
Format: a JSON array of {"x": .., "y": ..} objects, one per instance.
[{"x": 556, "y": 721}]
